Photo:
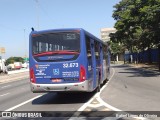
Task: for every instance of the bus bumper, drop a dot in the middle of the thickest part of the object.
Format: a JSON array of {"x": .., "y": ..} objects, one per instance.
[{"x": 72, "y": 87}]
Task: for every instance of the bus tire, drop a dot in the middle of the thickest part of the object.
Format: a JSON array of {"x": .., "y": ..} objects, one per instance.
[
  {"x": 99, "y": 85},
  {"x": 105, "y": 81}
]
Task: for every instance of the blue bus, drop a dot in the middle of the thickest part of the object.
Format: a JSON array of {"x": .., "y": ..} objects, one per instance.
[{"x": 71, "y": 60}]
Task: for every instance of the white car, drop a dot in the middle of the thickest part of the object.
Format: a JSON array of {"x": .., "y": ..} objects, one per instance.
[{"x": 25, "y": 65}]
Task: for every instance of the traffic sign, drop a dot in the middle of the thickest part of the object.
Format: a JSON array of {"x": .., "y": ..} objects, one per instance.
[{"x": 2, "y": 50}]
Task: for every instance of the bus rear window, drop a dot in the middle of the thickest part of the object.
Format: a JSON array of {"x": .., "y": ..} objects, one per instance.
[{"x": 55, "y": 44}]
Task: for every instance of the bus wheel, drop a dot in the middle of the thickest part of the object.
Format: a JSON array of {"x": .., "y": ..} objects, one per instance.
[
  {"x": 99, "y": 86},
  {"x": 105, "y": 81}
]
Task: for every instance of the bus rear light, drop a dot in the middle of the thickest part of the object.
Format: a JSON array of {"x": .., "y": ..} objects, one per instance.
[
  {"x": 82, "y": 74},
  {"x": 32, "y": 76}
]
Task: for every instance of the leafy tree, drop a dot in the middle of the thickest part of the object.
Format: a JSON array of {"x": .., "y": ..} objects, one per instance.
[
  {"x": 11, "y": 60},
  {"x": 138, "y": 24}
]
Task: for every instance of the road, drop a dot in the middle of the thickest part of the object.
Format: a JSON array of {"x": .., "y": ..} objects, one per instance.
[
  {"x": 133, "y": 89},
  {"x": 17, "y": 92},
  {"x": 129, "y": 89}
]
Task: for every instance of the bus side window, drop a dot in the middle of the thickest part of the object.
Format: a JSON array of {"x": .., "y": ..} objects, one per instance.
[
  {"x": 105, "y": 54},
  {"x": 88, "y": 48},
  {"x": 97, "y": 51},
  {"x": 88, "y": 51}
]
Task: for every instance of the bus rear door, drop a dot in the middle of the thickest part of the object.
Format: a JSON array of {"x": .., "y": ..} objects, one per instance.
[{"x": 93, "y": 67}]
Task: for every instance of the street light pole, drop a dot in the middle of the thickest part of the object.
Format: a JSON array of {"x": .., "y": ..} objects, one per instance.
[
  {"x": 25, "y": 45},
  {"x": 37, "y": 5}
]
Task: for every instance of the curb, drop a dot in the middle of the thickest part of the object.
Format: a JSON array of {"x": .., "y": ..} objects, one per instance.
[
  {"x": 18, "y": 71},
  {"x": 14, "y": 79}
]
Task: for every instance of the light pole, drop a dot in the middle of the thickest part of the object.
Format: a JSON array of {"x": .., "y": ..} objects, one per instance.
[
  {"x": 37, "y": 10},
  {"x": 25, "y": 54}
]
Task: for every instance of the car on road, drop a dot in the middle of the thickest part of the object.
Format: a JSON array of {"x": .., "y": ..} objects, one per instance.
[{"x": 25, "y": 65}]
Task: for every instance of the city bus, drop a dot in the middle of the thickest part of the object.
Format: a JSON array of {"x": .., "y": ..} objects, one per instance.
[{"x": 67, "y": 60}]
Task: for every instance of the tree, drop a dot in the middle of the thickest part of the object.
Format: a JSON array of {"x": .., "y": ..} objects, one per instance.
[
  {"x": 138, "y": 24},
  {"x": 116, "y": 48},
  {"x": 11, "y": 60}
]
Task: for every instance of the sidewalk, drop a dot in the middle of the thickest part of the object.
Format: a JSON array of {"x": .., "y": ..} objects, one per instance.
[
  {"x": 13, "y": 77},
  {"x": 152, "y": 67}
]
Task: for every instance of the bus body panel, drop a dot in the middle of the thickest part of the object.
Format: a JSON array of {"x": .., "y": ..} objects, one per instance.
[{"x": 65, "y": 75}]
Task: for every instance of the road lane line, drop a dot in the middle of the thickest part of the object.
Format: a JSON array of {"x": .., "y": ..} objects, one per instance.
[
  {"x": 78, "y": 112},
  {"x": 101, "y": 101},
  {"x": 5, "y": 86},
  {"x": 4, "y": 94},
  {"x": 108, "y": 105},
  {"x": 108, "y": 81},
  {"x": 21, "y": 104}
]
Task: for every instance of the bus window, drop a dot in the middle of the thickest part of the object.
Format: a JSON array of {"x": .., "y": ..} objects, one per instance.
[
  {"x": 52, "y": 44},
  {"x": 105, "y": 54},
  {"x": 88, "y": 48},
  {"x": 97, "y": 52}
]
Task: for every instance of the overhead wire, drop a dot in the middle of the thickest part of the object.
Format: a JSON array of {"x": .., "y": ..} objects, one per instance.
[{"x": 44, "y": 11}]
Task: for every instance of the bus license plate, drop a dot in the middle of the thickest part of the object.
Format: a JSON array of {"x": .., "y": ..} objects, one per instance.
[{"x": 56, "y": 80}]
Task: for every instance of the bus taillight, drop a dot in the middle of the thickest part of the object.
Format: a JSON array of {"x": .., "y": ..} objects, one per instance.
[
  {"x": 82, "y": 74},
  {"x": 32, "y": 76}
]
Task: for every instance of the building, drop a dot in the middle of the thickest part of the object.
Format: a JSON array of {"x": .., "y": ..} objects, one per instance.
[
  {"x": 105, "y": 33},
  {"x": 105, "y": 37}
]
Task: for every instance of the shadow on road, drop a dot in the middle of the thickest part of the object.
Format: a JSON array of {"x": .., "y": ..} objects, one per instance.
[
  {"x": 137, "y": 72},
  {"x": 63, "y": 98}
]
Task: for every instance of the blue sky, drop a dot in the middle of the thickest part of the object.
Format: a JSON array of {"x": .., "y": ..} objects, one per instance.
[{"x": 18, "y": 16}]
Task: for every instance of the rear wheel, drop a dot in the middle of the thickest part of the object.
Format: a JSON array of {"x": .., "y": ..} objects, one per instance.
[
  {"x": 99, "y": 85},
  {"x": 105, "y": 81}
]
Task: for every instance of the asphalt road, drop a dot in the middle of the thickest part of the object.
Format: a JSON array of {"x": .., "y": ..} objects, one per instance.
[
  {"x": 16, "y": 92},
  {"x": 129, "y": 89},
  {"x": 133, "y": 89}
]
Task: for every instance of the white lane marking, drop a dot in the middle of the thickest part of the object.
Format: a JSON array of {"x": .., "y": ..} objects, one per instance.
[
  {"x": 108, "y": 81},
  {"x": 108, "y": 105},
  {"x": 78, "y": 112},
  {"x": 12, "y": 108},
  {"x": 101, "y": 101},
  {"x": 4, "y": 94},
  {"x": 5, "y": 86},
  {"x": 95, "y": 105},
  {"x": 97, "y": 96}
]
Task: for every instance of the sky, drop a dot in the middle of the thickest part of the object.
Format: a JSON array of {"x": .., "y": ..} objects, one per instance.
[{"x": 17, "y": 17}]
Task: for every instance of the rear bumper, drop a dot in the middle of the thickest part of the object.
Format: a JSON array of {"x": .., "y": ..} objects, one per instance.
[{"x": 73, "y": 87}]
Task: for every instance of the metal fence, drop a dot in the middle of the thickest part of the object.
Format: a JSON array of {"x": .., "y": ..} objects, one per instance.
[{"x": 148, "y": 56}]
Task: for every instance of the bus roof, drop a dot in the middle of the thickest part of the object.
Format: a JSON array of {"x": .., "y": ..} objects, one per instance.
[{"x": 70, "y": 29}]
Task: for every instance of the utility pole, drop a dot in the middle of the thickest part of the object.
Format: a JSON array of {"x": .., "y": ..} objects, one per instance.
[
  {"x": 37, "y": 12},
  {"x": 25, "y": 53}
]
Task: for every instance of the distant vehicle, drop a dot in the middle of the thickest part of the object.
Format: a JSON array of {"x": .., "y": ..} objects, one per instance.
[
  {"x": 25, "y": 65},
  {"x": 11, "y": 66},
  {"x": 67, "y": 60},
  {"x": 17, "y": 65},
  {"x": 2, "y": 66}
]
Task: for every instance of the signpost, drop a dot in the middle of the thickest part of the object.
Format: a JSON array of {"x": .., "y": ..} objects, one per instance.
[{"x": 2, "y": 50}]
